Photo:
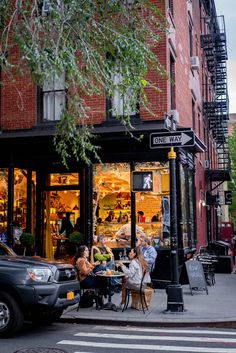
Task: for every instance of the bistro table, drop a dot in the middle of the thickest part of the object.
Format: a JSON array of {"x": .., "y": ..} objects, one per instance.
[{"x": 114, "y": 274}]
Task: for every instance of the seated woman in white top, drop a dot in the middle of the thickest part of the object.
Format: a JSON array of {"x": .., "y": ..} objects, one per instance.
[{"x": 134, "y": 274}]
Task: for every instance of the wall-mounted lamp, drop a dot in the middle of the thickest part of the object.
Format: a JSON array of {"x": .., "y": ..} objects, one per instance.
[{"x": 203, "y": 203}]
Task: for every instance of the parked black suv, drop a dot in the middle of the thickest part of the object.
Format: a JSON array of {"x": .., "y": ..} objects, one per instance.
[{"x": 34, "y": 288}]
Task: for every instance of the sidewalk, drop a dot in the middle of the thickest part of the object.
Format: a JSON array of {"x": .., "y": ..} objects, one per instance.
[{"x": 218, "y": 308}]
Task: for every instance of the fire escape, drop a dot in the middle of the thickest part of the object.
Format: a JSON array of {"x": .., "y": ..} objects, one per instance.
[{"x": 216, "y": 108}]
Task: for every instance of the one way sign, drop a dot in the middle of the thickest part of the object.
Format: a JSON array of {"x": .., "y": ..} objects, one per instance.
[{"x": 172, "y": 139}]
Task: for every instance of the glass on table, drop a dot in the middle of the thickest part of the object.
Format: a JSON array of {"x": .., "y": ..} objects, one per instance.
[{"x": 121, "y": 255}]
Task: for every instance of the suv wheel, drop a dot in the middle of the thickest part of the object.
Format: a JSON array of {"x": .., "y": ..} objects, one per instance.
[{"x": 11, "y": 315}]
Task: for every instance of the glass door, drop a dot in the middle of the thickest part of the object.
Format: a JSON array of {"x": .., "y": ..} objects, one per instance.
[{"x": 61, "y": 214}]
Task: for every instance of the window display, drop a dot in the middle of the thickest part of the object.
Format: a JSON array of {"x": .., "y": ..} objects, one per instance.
[
  {"x": 20, "y": 197},
  {"x": 112, "y": 202},
  {"x": 3, "y": 204}
]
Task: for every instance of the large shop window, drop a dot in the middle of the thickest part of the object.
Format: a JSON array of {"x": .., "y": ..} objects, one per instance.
[
  {"x": 20, "y": 198},
  {"x": 3, "y": 204},
  {"x": 112, "y": 204},
  {"x": 21, "y": 214}
]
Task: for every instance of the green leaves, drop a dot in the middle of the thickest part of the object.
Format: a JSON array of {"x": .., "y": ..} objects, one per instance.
[{"x": 76, "y": 36}]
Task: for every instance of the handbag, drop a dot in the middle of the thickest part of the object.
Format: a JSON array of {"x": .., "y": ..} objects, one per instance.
[{"x": 87, "y": 299}]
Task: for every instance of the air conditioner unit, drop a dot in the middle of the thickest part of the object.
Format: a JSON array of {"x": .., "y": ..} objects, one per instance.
[
  {"x": 175, "y": 115},
  {"x": 46, "y": 7},
  {"x": 207, "y": 164},
  {"x": 194, "y": 62}
]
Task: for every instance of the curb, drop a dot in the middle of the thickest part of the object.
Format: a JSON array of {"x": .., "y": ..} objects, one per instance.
[{"x": 84, "y": 321}]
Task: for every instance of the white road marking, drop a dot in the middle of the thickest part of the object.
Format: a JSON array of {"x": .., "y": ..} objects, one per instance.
[
  {"x": 147, "y": 347},
  {"x": 167, "y": 330},
  {"x": 155, "y": 338}
]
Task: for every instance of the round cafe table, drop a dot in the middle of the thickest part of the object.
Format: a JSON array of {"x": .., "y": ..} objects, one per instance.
[{"x": 115, "y": 274}]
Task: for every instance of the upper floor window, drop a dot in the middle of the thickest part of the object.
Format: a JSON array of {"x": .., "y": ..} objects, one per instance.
[
  {"x": 120, "y": 102},
  {"x": 193, "y": 114},
  {"x": 53, "y": 98},
  {"x": 46, "y": 6},
  {"x": 171, "y": 6},
  {"x": 190, "y": 39},
  {"x": 172, "y": 83}
]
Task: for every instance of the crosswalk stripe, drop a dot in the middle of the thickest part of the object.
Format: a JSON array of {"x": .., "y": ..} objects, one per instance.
[
  {"x": 155, "y": 338},
  {"x": 144, "y": 329},
  {"x": 147, "y": 347}
]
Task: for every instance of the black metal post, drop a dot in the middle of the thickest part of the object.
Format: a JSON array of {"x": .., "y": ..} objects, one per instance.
[
  {"x": 174, "y": 291},
  {"x": 133, "y": 213}
]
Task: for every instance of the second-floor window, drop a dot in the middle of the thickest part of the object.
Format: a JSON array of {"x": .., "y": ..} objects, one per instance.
[
  {"x": 172, "y": 83},
  {"x": 171, "y": 6},
  {"x": 53, "y": 98},
  {"x": 190, "y": 39},
  {"x": 120, "y": 102}
]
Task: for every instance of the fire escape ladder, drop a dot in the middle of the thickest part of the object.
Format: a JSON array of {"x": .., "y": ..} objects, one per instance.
[{"x": 216, "y": 111}]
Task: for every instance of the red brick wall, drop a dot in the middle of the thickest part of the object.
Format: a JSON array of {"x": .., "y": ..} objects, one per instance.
[
  {"x": 18, "y": 102},
  {"x": 19, "y": 97}
]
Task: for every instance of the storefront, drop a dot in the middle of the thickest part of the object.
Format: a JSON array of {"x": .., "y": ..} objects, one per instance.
[{"x": 101, "y": 196}]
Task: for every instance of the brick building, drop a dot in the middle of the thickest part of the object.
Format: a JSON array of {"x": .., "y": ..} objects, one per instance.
[{"x": 38, "y": 192}]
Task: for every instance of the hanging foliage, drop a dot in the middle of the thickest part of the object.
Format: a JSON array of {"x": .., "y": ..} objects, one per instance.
[{"x": 90, "y": 41}]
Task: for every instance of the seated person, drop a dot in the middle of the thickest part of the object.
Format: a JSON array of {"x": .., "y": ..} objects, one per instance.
[
  {"x": 85, "y": 269},
  {"x": 86, "y": 276},
  {"x": 101, "y": 253},
  {"x": 134, "y": 273},
  {"x": 149, "y": 252},
  {"x": 104, "y": 255}
]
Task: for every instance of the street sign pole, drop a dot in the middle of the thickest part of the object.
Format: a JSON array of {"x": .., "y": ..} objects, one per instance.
[{"x": 174, "y": 291}]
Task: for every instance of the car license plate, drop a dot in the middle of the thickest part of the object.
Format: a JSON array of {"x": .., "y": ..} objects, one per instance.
[{"x": 70, "y": 295}]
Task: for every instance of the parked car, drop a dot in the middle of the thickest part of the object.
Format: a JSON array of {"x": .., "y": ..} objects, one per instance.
[{"x": 33, "y": 288}]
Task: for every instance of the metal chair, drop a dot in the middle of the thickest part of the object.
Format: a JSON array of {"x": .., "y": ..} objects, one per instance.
[{"x": 140, "y": 292}]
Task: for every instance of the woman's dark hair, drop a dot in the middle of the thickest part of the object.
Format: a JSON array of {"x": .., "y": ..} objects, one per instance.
[{"x": 79, "y": 253}]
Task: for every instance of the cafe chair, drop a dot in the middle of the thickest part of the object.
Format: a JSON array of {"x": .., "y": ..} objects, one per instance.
[{"x": 139, "y": 294}]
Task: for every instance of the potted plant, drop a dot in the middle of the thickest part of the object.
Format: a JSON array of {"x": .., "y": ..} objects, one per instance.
[
  {"x": 77, "y": 238},
  {"x": 27, "y": 241}
]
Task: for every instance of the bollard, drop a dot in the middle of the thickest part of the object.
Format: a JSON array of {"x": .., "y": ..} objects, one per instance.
[{"x": 40, "y": 350}]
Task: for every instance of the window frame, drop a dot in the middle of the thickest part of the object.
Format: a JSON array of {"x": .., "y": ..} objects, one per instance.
[
  {"x": 110, "y": 117},
  {"x": 171, "y": 7},
  {"x": 41, "y": 103},
  {"x": 172, "y": 83}
]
